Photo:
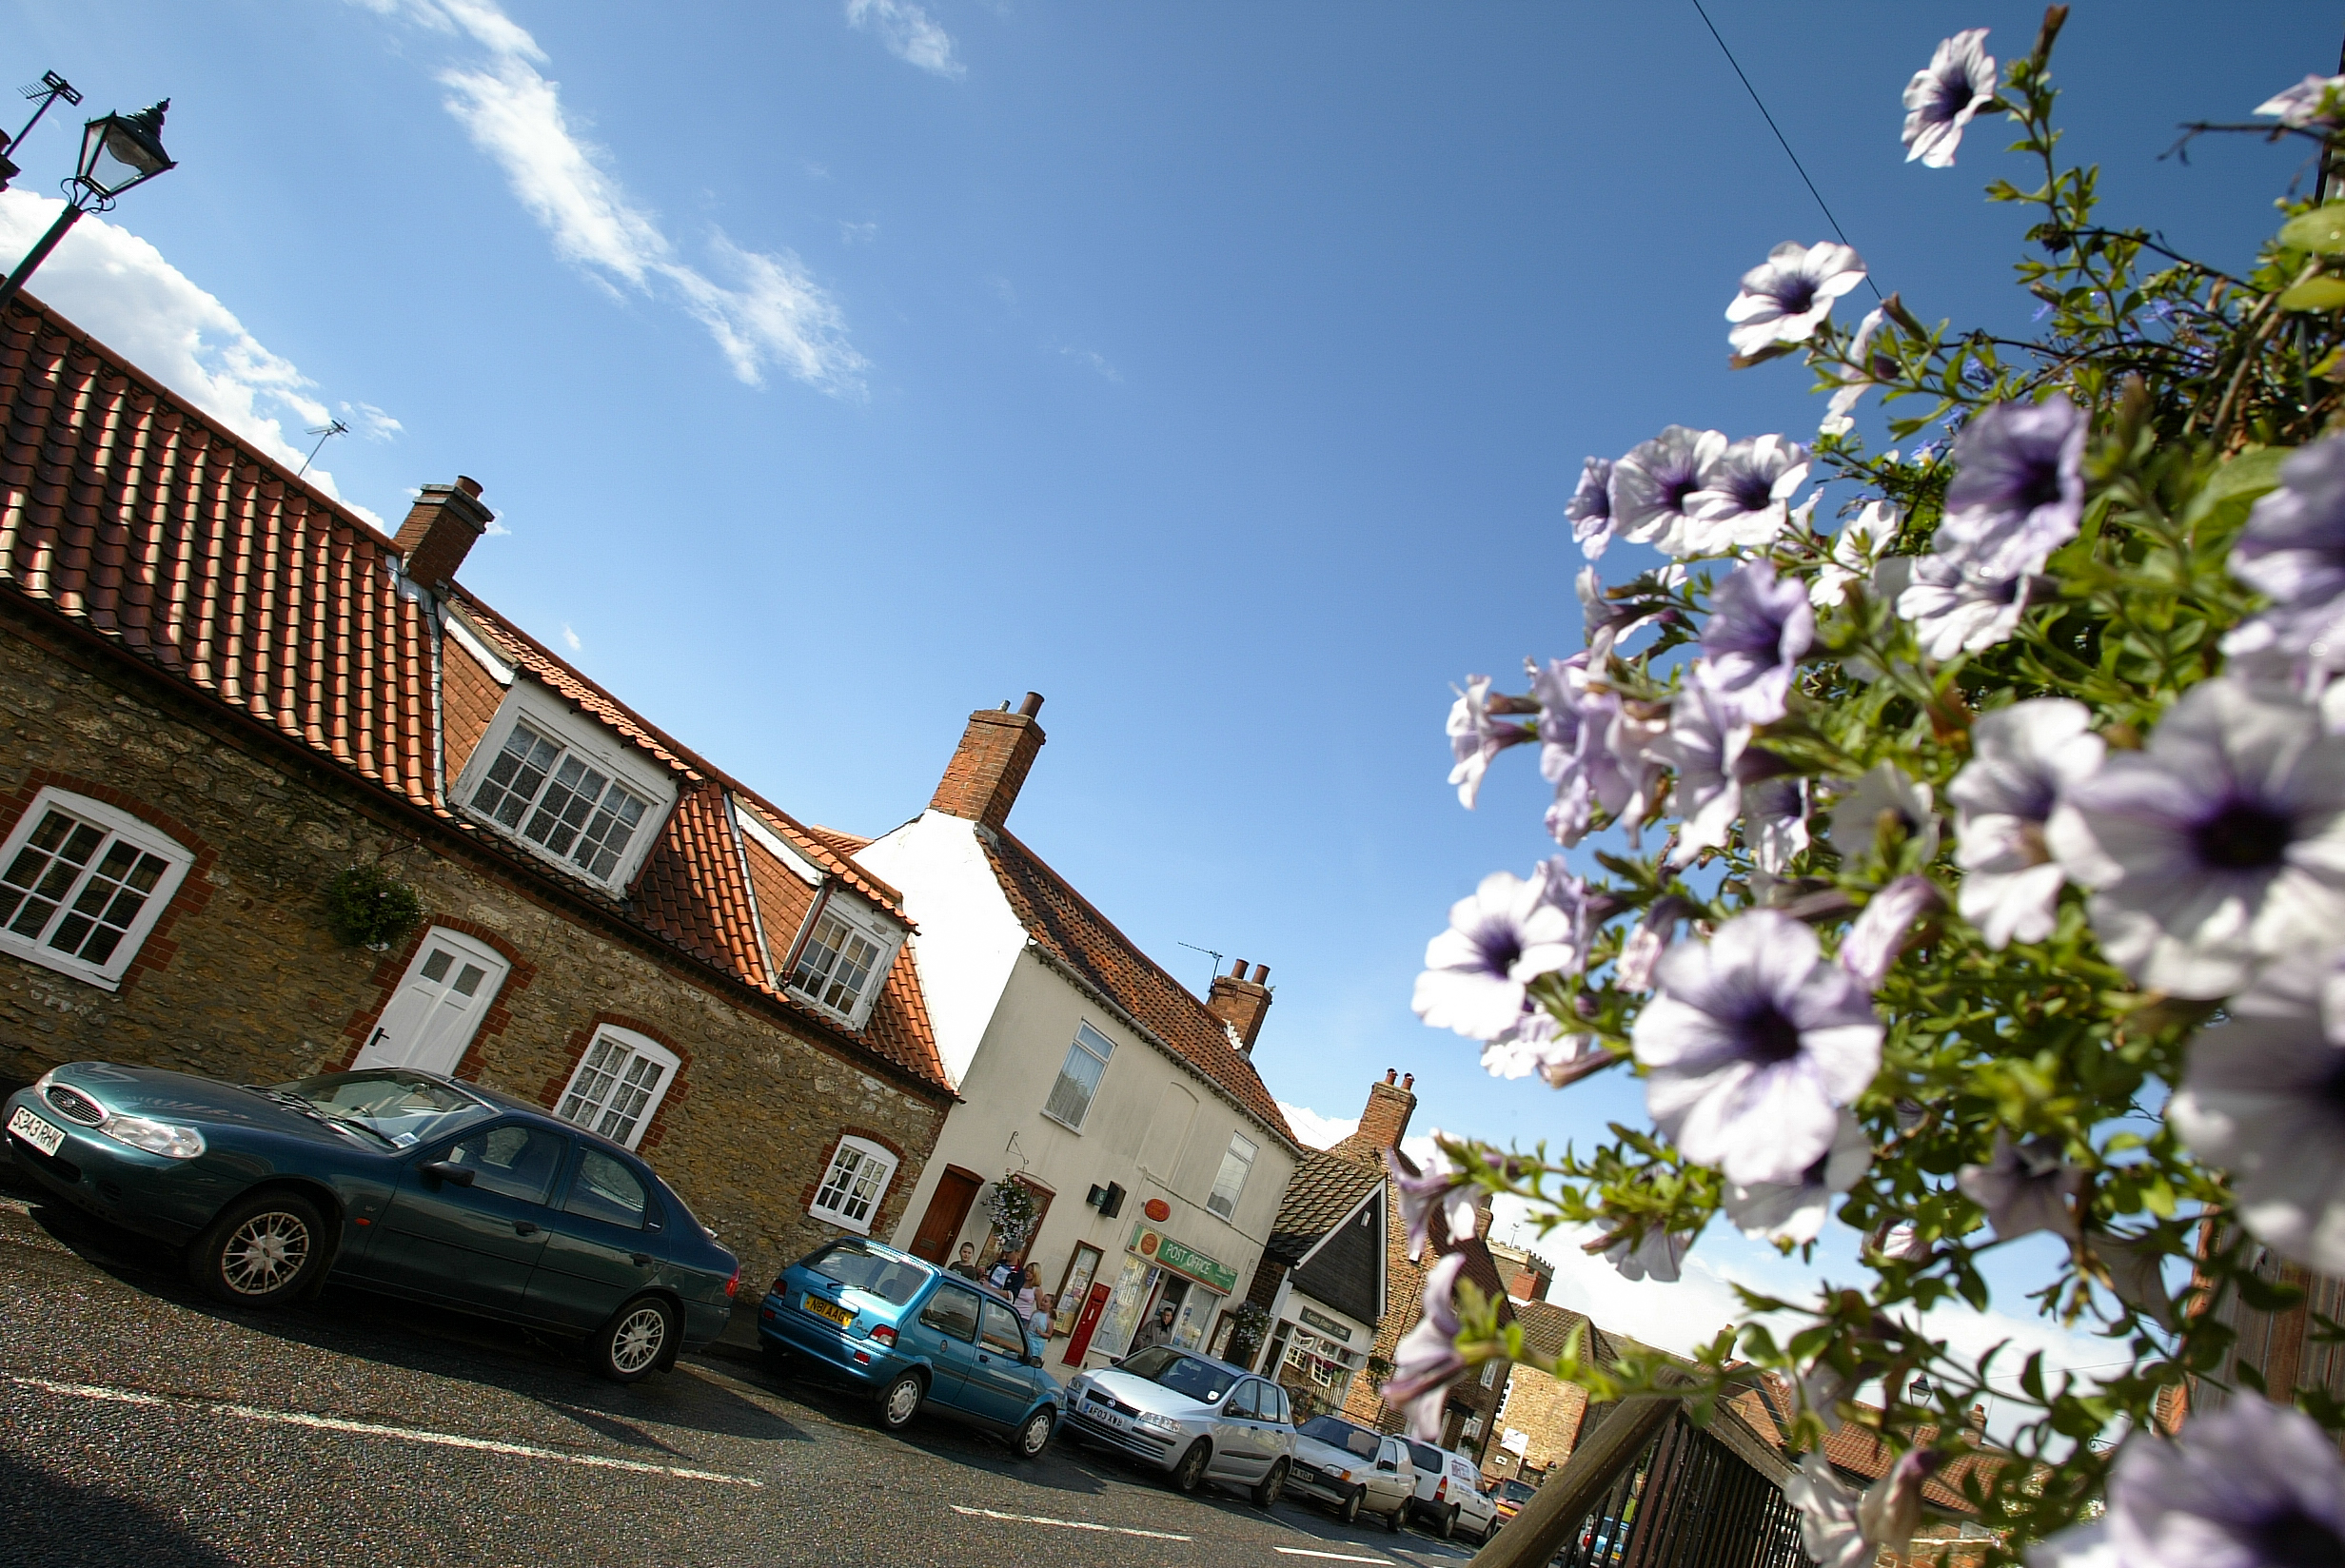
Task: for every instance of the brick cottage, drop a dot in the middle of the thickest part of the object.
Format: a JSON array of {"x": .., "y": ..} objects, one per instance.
[{"x": 219, "y": 690}]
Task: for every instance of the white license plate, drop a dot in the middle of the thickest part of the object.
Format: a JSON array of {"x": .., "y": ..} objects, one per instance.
[
  {"x": 48, "y": 1139},
  {"x": 1105, "y": 1417}
]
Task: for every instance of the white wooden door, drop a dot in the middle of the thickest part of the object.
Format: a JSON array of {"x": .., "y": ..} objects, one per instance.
[{"x": 431, "y": 1018}]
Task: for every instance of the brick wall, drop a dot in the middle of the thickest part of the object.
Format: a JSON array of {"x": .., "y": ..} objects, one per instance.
[
  {"x": 469, "y": 697},
  {"x": 1548, "y": 1412},
  {"x": 242, "y": 981}
]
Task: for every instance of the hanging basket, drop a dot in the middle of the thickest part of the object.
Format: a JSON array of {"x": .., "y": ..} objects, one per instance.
[{"x": 366, "y": 906}]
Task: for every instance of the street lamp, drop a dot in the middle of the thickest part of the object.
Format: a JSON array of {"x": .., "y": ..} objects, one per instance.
[{"x": 118, "y": 151}]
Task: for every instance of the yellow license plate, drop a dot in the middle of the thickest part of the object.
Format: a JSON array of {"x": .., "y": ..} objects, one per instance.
[{"x": 832, "y": 1310}]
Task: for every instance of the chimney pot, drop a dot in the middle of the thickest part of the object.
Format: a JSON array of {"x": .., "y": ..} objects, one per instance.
[
  {"x": 1032, "y": 707},
  {"x": 1409, "y": 1080},
  {"x": 1390, "y": 1074},
  {"x": 1239, "y": 1003},
  {"x": 987, "y": 770},
  {"x": 1262, "y": 973},
  {"x": 1384, "y": 1122},
  {"x": 441, "y": 529}
]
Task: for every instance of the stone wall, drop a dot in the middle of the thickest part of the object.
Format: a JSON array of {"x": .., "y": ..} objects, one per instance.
[{"x": 242, "y": 981}]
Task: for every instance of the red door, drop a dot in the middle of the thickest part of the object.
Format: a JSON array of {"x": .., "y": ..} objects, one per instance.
[{"x": 948, "y": 1209}]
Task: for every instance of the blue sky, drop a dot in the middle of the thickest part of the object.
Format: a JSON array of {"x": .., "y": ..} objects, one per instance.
[{"x": 1218, "y": 371}]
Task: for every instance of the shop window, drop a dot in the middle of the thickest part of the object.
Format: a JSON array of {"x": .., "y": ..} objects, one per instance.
[{"x": 83, "y": 884}]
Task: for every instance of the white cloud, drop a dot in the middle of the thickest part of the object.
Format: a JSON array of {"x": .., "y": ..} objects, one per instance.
[
  {"x": 856, "y": 233},
  {"x": 910, "y": 33},
  {"x": 1095, "y": 361},
  {"x": 775, "y": 313},
  {"x": 372, "y": 421},
  {"x": 570, "y": 639},
  {"x": 120, "y": 288},
  {"x": 1318, "y": 1131}
]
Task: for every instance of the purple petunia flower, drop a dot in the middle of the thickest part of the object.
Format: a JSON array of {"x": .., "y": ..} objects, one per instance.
[
  {"x": 1841, "y": 1528},
  {"x": 2217, "y": 847},
  {"x": 1744, "y": 501},
  {"x": 1788, "y": 296},
  {"x": 1591, "y": 508},
  {"x": 2026, "y": 1187},
  {"x": 1877, "y": 935},
  {"x": 1605, "y": 619},
  {"x": 1438, "y": 1188},
  {"x": 1426, "y": 1362},
  {"x": 1886, "y": 796},
  {"x": 2022, "y": 757},
  {"x": 1476, "y": 737},
  {"x": 2018, "y": 489},
  {"x": 2260, "y": 1098},
  {"x": 1633, "y": 970},
  {"x": 1794, "y": 1211},
  {"x": 1508, "y": 934},
  {"x": 2317, "y": 101},
  {"x": 2292, "y": 552},
  {"x": 1775, "y": 823},
  {"x": 1538, "y": 1045},
  {"x": 1759, "y": 630},
  {"x": 1657, "y": 1255},
  {"x": 1752, "y": 1044},
  {"x": 2249, "y": 1484},
  {"x": 1651, "y": 487},
  {"x": 1958, "y": 610},
  {"x": 1704, "y": 745},
  {"x": 1940, "y": 101}
]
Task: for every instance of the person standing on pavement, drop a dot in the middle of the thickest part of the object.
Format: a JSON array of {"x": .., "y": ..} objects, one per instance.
[
  {"x": 1157, "y": 1333},
  {"x": 1027, "y": 1285},
  {"x": 1039, "y": 1321},
  {"x": 966, "y": 1264}
]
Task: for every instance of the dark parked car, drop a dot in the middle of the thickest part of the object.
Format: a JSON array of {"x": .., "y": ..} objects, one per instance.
[
  {"x": 397, "y": 1181},
  {"x": 915, "y": 1337}
]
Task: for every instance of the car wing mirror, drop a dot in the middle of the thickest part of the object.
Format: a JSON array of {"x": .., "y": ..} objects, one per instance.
[
  {"x": 1033, "y": 1360},
  {"x": 440, "y": 1170},
  {"x": 1386, "y": 1464}
]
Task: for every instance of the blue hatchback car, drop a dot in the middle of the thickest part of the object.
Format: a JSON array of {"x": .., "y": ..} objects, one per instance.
[{"x": 914, "y": 1336}]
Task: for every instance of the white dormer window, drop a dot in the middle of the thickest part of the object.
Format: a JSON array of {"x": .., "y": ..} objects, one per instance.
[
  {"x": 565, "y": 787},
  {"x": 844, "y": 958}
]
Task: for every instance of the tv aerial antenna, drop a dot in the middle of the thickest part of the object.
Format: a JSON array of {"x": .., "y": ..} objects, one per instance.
[
  {"x": 1209, "y": 952},
  {"x": 325, "y": 433}
]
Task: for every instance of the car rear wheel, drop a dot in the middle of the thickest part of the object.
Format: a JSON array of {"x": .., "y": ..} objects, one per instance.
[
  {"x": 900, "y": 1401},
  {"x": 1449, "y": 1525},
  {"x": 1273, "y": 1486},
  {"x": 260, "y": 1251},
  {"x": 631, "y": 1344},
  {"x": 1190, "y": 1474},
  {"x": 1035, "y": 1435},
  {"x": 1350, "y": 1512},
  {"x": 1393, "y": 1521}
]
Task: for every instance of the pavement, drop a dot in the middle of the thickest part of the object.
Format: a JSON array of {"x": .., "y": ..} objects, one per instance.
[{"x": 142, "y": 1422}]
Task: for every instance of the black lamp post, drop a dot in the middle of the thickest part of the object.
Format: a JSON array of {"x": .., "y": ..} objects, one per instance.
[{"x": 118, "y": 151}]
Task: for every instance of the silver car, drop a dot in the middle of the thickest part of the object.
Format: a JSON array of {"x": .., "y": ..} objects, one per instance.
[
  {"x": 1357, "y": 1470},
  {"x": 1194, "y": 1417}
]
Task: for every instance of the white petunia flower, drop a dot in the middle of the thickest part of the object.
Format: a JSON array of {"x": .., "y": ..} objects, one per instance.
[
  {"x": 1886, "y": 791},
  {"x": 1786, "y": 297},
  {"x": 1854, "y": 552},
  {"x": 1744, "y": 501},
  {"x": 1508, "y": 934},
  {"x": 1856, "y": 383},
  {"x": 1940, "y": 101},
  {"x": 2217, "y": 847},
  {"x": 1652, "y": 486},
  {"x": 2317, "y": 101},
  {"x": 2260, "y": 1098},
  {"x": 1958, "y": 610},
  {"x": 1705, "y": 744},
  {"x": 1658, "y": 1257},
  {"x": 1751, "y": 1045},
  {"x": 1794, "y": 1211},
  {"x": 2022, "y": 759}
]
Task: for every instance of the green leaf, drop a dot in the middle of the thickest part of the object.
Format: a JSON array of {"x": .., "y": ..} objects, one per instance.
[
  {"x": 2321, "y": 231},
  {"x": 2241, "y": 481},
  {"x": 2315, "y": 294}
]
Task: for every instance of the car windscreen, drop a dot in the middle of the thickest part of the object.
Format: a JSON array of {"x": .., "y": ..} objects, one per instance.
[
  {"x": 1336, "y": 1434},
  {"x": 1200, "y": 1381},
  {"x": 1515, "y": 1491},
  {"x": 894, "y": 1281},
  {"x": 405, "y": 1107}
]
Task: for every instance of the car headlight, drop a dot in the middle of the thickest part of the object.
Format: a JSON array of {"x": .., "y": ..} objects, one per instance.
[
  {"x": 164, "y": 1138},
  {"x": 1339, "y": 1471},
  {"x": 1162, "y": 1423},
  {"x": 40, "y": 1085}
]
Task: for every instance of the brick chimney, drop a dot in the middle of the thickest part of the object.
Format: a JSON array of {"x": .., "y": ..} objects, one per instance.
[
  {"x": 982, "y": 780},
  {"x": 1241, "y": 1003},
  {"x": 441, "y": 529},
  {"x": 1530, "y": 1282},
  {"x": 1385, "y": 1122}
]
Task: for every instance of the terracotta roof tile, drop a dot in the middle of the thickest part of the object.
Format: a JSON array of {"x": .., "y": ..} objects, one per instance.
[
  {"x": 837, "y": 842},
  {"x": 140, "y": 520},
  {"x": 1548, "y": 1327},
  {"x": 1063, "y": 923}
]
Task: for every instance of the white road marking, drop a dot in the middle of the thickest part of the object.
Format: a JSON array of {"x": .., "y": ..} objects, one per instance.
[
  {"x": 1337, "y": 1557},
  {"x": 371, "y": 1429},
  {"x": 1070, "y": 1524}
]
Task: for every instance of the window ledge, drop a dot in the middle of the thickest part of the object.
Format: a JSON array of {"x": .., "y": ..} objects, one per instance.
[
  {"x": 1062, "y": 1122},
  {"x": 33, "y": 953}
]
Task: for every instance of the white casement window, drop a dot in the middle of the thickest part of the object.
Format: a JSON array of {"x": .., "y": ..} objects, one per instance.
[
  {"x": 853, "y": 1187},
  {"x": 430, "y": 1022},
  {"x": 1078, "y": 1079},
  {"x": 620, "y": 1081},
  {"x": 1235, "y": 1165},
  {"x": 844, "y": 959},
  {"x": 565, "y": 787},
  {"x": 82, "y": 884}
]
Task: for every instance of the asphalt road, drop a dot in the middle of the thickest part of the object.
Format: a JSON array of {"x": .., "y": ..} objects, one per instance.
[{"x": 140, "y": 1423}]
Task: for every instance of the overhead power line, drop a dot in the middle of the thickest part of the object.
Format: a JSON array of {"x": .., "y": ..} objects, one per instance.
[{"x": 1785, "y": 141}]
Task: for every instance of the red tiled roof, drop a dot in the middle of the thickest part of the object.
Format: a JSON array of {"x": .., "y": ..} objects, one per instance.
[
  {"x": 1064, "y": 924},
  {"x": 137, "y": 518},
  {"x": 837, "y": 842},
  {"x": 1858, "y": 1451}
]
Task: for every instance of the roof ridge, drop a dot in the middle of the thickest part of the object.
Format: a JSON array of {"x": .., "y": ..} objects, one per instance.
[{"x": 1113, "y": 929}]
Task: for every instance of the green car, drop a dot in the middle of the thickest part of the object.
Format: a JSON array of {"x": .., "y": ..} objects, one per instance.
[{"x": 395, "y": 1180}]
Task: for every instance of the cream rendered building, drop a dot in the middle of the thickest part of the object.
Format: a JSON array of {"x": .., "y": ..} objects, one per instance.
[{"x": 1128, "y": 1105}]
